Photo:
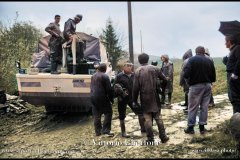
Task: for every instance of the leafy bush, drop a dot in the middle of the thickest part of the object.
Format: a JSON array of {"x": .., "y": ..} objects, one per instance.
[{"x": 17, "y": 42}]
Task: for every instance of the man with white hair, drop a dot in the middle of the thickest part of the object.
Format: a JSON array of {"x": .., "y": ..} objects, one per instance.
[{"x": 200, "y": 74}]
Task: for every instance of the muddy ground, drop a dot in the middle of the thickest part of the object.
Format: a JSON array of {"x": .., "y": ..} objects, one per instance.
[{"x": 35, "y": 134}]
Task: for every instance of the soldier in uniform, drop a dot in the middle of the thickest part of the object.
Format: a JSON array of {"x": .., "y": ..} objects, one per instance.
[
  {"x": 145, "y": 84},
  {"x": 102, "y": 100},
  {"x": 71, "y": 37},
  {"x": 123, "y": 89},
  {"x": 55, "y": 44}
]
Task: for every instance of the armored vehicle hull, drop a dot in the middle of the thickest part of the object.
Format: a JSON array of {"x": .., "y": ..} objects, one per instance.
[{"x": 67, "y": 91}]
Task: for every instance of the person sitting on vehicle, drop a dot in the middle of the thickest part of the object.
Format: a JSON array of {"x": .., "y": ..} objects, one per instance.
[{"x": 71, "y": 37}]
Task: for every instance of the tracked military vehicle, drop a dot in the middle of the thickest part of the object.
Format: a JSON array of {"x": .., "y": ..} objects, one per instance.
[{"x": 66, "y": 91}]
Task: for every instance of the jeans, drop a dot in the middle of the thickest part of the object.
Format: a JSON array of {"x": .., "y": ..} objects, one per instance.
[{"x": 199, "y": 94}]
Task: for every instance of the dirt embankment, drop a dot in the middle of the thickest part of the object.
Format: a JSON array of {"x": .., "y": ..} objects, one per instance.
[{"x": 35, "y": 134}]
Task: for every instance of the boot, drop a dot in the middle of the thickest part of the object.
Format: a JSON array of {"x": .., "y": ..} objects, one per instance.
[
  {"x": 74, "y": 69},
  {"x": 141, "y": 122},
  {"x": 54, "y": 68},
  {"x": 162, "y": 134},
  {"x": 123, "y": 129},
  {"x": 169, "y": 98},
  {"x": 189, "y": 130},
  {"x": 202, "y": 129},
  {"x": 186, "y": 100},
  {"x": 165, "y": 139}
]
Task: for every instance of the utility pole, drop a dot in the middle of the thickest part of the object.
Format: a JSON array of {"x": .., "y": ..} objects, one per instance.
[{"x": 130, "y": 32}]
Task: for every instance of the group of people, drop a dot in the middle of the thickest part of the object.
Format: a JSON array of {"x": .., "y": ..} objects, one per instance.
[
  {"x": 57, "y": 43},
  {"x": 198, "y": 73},
  {"x": 150, "y": 81},
  {"x": 127, "y": 87},
  {"x": 197, "y": 76}
]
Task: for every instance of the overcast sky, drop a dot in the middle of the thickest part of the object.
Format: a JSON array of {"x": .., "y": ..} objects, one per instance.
[{"x": 167, "y": 27}]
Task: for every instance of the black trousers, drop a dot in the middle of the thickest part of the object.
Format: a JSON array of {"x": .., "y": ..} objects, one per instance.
[
  {"x": 122, "y": 106},
  {"x": 99, "y": 109},
  {"x": 55, "y": 45},
  {"x": 234, "y": 86}
]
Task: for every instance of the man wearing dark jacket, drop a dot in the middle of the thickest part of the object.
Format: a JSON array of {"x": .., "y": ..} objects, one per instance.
[
  {"x": 233, "y": 72},
  {"x": 183, "y": 82},
  {"x": 102, "y": 99},
  {"x": 200, "y": 73},
  {"x": 55, "y": 44},
  {"x": 145, "y": 83},
  {"x": 71, "y": 37},
  {"x": 125, "y": 80}
]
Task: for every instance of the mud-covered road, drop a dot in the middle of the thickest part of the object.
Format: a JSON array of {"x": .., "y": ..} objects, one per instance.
[{"x": 36, "y": 134}]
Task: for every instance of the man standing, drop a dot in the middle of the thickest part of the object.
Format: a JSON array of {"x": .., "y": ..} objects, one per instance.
[
  {"x": 102, "y": 99},
  {"x": 71, "y": 37},
  {"x": 183, "y": 81},
  {"x": 233, "y": 72},
  {"x": 145, "y": 83},
  {"x": 207, "y": 54},
  {"x": 167, "y": 70},
  {"x": 200, "y": 73},
  {"x": 123, "y": 89},
  {"x": 55, "y": 44}
]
